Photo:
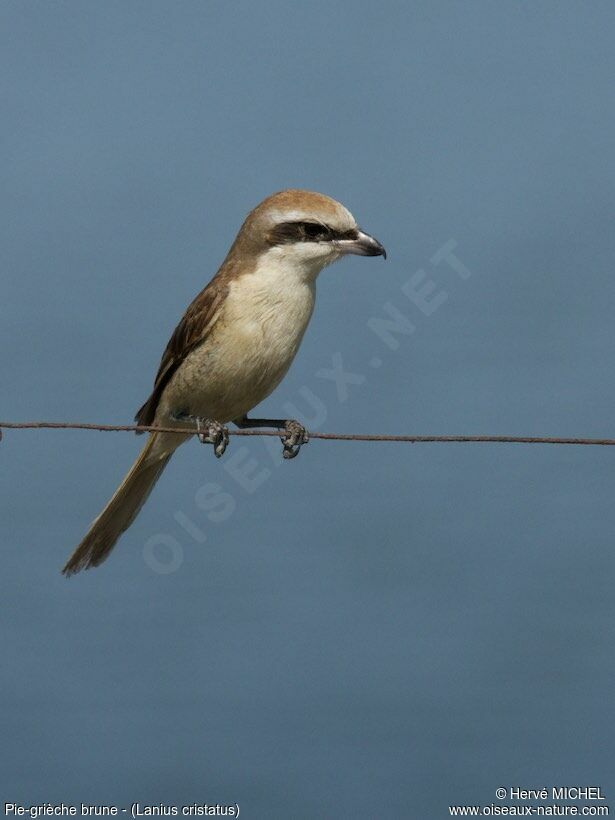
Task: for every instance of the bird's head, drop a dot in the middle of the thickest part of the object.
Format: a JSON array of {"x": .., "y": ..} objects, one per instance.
[{"x": 304, "y": 231}]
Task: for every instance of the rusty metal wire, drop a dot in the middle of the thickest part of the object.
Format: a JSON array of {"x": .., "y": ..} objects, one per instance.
[{"x": 129, "y": 428}]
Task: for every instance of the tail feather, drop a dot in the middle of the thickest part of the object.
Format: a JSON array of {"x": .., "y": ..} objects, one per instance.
[{"x": 121, "y": 510}]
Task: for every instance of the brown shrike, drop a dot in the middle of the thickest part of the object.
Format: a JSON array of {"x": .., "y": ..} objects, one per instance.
[{"x": 234, "y": 345}]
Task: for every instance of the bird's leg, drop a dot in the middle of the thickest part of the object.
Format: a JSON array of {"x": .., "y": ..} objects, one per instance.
[
  {"x": 209, "y": 431},
  {"x": 295, "y": 434}
]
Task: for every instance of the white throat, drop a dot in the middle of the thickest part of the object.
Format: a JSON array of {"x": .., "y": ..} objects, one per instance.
[{"x": 296, "y": 262}]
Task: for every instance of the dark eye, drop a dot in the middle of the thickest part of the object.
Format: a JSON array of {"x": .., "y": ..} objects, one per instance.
[{"x": 314, "y": 231}]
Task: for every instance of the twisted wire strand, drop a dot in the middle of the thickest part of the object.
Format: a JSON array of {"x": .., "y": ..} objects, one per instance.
[{"x": 377, "y": 437}]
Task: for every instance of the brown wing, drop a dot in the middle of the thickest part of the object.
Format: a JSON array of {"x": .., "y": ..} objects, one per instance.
[{"x": 192, "y": 331}]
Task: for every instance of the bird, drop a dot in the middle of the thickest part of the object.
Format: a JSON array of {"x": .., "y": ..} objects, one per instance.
[{"x": 233, "y": 346}]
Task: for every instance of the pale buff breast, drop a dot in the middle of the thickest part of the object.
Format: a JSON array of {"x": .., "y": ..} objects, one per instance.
[{"x": 249, "y": 350}]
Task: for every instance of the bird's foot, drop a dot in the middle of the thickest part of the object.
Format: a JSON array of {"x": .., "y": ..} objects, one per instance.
[
  {"x": 210, "y": 431},
  {"x": 295, "y": 435}
]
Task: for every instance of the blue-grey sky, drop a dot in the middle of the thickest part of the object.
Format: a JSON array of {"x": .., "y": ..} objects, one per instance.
[{"x": 369, "y": 630}]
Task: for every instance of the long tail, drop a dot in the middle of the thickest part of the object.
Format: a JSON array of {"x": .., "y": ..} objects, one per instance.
[{"x": 124, "y": 506}]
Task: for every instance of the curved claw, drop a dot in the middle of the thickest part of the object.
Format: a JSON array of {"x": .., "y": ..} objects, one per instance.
[
  {"x": 210, "y": 431},
  {"x": 295, "y": 436}
]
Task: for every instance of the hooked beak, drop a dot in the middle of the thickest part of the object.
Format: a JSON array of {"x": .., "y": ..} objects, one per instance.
[{"x": 363, "y": 245}]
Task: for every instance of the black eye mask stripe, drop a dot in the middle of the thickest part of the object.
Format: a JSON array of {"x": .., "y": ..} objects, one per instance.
[{"x": 288, "y": 232}]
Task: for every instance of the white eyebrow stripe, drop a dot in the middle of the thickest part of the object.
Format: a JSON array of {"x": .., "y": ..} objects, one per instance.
[{"x": 343, "y": 216}]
